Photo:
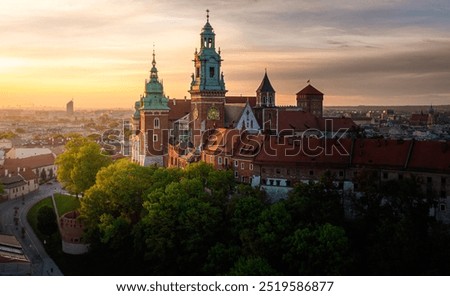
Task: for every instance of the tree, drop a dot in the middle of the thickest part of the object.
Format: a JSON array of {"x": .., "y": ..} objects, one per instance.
[
  {"x": 392, "y": 232},
  {"x": 79, "y": 164},
  {"x": 180, "y": 227},
  {"x": 318, "y": 250},
  {"x": 316, "y": 203},
  {"x": 46, "y": 221},
  {"x": 252, "y": 266},
  {"x": 117, "y": 195}
]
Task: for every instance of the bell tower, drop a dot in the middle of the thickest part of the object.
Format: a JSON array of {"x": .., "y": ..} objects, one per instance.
[
  {"x": 207, "y": 87},
  {"x": 152, "y": 117}
]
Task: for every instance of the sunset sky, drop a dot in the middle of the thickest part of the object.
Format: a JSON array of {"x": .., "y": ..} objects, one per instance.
[{"x": 98, "y": 52}]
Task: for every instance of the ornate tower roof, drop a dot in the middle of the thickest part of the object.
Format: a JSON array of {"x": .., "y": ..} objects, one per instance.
[
  {"x": 310, "y": 90},
  {"x": 207, "y": 63},
  {"x": 265, "y": 85},
  {"x": 154, "y": 98},
  {"x": 265, "y": 94}
]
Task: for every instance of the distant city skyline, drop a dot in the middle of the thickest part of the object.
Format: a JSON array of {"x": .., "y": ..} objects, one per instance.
[{"x": 99, "y": 52}]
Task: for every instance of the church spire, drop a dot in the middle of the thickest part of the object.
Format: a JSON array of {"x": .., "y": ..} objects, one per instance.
[
  {"x": 154, "y": 71},
  {"x": 265, "y": 94},
  {"x": 207, "y": 62}
]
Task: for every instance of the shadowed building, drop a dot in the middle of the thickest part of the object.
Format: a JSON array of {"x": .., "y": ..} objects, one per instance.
[{"x": 69, "y": 108}]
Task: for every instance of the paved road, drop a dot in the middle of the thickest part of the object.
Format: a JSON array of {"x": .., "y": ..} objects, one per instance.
[{"x": 42, "y": 264}]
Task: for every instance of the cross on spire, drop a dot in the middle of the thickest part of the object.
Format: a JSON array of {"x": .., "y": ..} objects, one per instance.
[
  {"x": 207, "y": 15},
  {"x": 154, "y": 62}
]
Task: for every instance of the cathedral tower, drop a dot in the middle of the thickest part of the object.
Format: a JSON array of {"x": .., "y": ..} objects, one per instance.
[
  {"x": 152, "y": 111},
  {"x": 310, "y": 100},
  {"x": 207, "y": 87},
  {"x": 265, "y": 110}
]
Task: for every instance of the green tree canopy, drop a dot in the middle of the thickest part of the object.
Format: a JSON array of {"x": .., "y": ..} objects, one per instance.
[
  {"x": 318, "y": 250},
  {"x": 79, "y": 164},
  {"x": 46, "y": 221}
]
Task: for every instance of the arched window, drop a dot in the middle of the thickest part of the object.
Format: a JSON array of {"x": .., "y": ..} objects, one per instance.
[{"x": 156, "y": 122}]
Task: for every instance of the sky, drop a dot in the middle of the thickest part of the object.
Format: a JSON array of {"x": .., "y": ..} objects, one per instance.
[{"x": 98, "y": 52}]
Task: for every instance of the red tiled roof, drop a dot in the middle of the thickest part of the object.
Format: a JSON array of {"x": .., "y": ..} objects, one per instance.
[
  {"x": 302, "y": 121},
  {"x": 297, "y": 120},
  {"x": 380, "y": 152},
  {"x": 33, "y": 162},
  {"x": 309, "y": 90},
  {"x": 240, "y": 100},
  {"x": 222, "y": 140},
  {"x": 431, "y": 155},
  {"x": 249, "y": 145},
  {"x": 178, "y": 108},
  {"x": 309, "y": 151}
]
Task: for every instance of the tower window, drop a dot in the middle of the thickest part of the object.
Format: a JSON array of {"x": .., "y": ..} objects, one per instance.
[
  {"x": 156, "y": 122},
  {"x": 155, "y": 138},
  {"x": 197, "y": 71},
  {"x": 211, "y": 72},
  {"x": 209, "y": 42}
]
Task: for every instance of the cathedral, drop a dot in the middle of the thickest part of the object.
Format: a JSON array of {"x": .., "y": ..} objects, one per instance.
[
  {"x": 273, "y": 147},
  {"x": 173, "y": 132}
]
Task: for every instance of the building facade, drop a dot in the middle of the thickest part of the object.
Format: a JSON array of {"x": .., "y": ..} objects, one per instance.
[{"x": 275, "y": 147}]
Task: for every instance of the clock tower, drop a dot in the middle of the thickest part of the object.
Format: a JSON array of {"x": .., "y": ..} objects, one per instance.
[{"x": 207, "y": 87}]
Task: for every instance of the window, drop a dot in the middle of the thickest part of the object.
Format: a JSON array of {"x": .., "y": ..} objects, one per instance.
[
  {"x": 443, "y": 207},
  {"x": 250, "y": 166},
  {"x": 156, "y": 122},
  {"x": 155, "y": 138},
  {"x": 197, "y": 71},
  {"x": 236, "y": 163},
  {"x": 278, "y": 171},
  {"x": 211, "y": 72},
  {"x": 271, "y": 182},
  {"x": 236, "y": 174},
  {"x": 242, "y": 165},
  {"x": 219, "y": 160},
  {"x": 278, "y": 182}
]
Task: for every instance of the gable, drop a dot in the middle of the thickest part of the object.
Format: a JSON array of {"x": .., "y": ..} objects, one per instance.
[{"x": 247, "y": 120}]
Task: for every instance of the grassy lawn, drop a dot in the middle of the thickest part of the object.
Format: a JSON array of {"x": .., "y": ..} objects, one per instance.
[
  {"x": 32, "y": 215},
  {"x": 66, "y": 203},
  {"x": 69, "y": 264}
]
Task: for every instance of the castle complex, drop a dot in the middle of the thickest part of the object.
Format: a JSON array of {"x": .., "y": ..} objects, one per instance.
[{"x": 273, "y": 147}]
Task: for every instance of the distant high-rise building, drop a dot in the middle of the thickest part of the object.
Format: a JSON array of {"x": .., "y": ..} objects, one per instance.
[{"x": 69, "y": 108}]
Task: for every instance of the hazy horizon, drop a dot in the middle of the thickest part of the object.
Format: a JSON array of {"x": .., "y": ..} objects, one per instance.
[{"x": 380, "y": 53}]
